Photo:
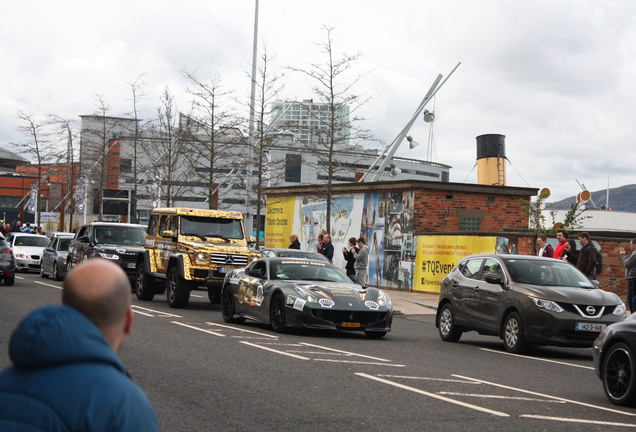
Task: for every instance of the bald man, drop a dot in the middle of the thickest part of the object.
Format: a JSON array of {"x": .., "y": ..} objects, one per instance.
[{"x": 65, "y": 373}]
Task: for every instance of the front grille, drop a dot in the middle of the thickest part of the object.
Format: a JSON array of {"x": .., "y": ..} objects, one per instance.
[
  {"x": 340, "y": 316},
  {"x": 35, "y": 257},
  {"x": 128, "y": 256},
  {"x": 228, "y": 260},
  {"x": 582, "y": 310}
]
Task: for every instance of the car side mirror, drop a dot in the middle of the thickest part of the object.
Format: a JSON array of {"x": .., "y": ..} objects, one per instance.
[
  {"x": 493, "y": 278},
  {"x": 167, "y": 233},
  {"x": 84, "y": 239},
  {"x": 49, "y": 249},
  {"x": 251, "y": 242}
]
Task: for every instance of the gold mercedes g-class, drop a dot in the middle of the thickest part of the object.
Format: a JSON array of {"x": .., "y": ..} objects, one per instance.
[{"x": 188, "y": 249}]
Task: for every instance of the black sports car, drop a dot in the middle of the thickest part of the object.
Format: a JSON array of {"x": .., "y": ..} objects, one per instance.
[
  {"x": 295, "y": 292},
  {"x": 614, "y": 354}
]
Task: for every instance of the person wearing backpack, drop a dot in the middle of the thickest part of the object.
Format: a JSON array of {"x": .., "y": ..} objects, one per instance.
[
  {"x": 587, "y": 256},
  {"x": 630, "y": 274}
]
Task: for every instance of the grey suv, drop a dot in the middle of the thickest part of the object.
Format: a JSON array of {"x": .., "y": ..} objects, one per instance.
[{"x": 525, "y": 300}]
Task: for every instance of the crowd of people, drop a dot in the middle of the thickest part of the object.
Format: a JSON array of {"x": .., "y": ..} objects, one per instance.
[{"x": 16, "y": 226}]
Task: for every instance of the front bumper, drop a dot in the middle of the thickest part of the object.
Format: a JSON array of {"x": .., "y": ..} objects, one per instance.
[
  {"x": 31, "y": 262},
  {"x": 559, "y": 328},
  {"x": 316, "y": 317}
]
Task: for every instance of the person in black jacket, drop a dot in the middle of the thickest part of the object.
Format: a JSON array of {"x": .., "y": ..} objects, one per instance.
[
  {"x": 295, "y": 244},
  {"x": 327, "y": 249},
  {"x": 348, "y": 252},
  {"x": 570, "y": 254},
  {"x": 587, "y": 256}
]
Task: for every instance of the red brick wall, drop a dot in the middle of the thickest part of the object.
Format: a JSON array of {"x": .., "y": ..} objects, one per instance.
[{"x": 437, "y": 211}]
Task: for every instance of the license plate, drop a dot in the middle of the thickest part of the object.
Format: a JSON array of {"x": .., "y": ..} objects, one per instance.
[
  {"x": 351, "y": 324},
  {"x": 224, "y": 269},
  {"x": 589, "y": 327},
  {"x": 131, "y": 265}
]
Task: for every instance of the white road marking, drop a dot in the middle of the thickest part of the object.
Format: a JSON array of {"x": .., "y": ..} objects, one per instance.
[
  {"x": 433, "y": 395},
  {"x": 431, "y": 379},
  {"x": 196, "y": 295},
  {"x": 243, "y": 330},
  {"x": 359, "y": 362},
  {"x": 572, "y": 420},
  {"x": 345, "y": 352},
  {"x": 274, "y": 350},
  {"x": 537, "y": 358},
  {"x": 487, "y": 396},
  {"x": 156, "y": 312},
  {"x": 548, "y": 396},
  {"x": 281, "y": 344},
  {"x": 47, "y": 284},
  {"x": 198, "y": 328},
  {"x": 143, "y": 313}
]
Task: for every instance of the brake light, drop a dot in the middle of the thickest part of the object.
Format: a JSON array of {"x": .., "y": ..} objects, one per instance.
[{"x": 9, "y": 251}]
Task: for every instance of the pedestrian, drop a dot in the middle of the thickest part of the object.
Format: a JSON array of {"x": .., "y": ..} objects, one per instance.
[
  {"x": 65, "y": 373},
  {"x": 543, "y": 248},
  {"x": 15, "y": 226},
  {"x": 327, "y": 249},
  {"x": 362, "y": 260},
  {"x": 630, "y": 274},
  {"x": 295, "y": 244},
  {"x": 570, "y": 254},
  {"x": 321, "y": 244},
  {"x": 26, "y": 228},
  {"x": 562, "y": 238},
  {"x": 587, "y": 256},
  {"x": 348, "y": 253}
]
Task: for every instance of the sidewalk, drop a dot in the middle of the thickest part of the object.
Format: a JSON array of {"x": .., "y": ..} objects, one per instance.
[{"x": 408, "y": 303}]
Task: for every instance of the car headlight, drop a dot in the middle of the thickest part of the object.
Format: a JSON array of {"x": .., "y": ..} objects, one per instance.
[
  {"x": 619, "y": 310},
  {"x": 109, "y": 256},
  {"x": 200, "y": 256},
  {"x": 20, "y": 255},
  {"x": 305, "y": 294},
  {"x": 383, "y": 299},
  {"x": 546, "y": 304}
]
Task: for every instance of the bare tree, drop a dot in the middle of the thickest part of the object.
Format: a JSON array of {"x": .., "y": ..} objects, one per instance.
[
  {"x": 166, "y": 151},
  {"x": 137, "y": 95},
  {"x": 212, "y": 132},
  {"x": 334, "y": 87},
  {"x": 37, "y": 146},
  {"x": 68, "y": 135},
  {"x": 268, "y": 87}
]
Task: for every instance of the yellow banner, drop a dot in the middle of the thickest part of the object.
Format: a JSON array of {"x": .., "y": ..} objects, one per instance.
[
  {"x": 437, "y": 255},
  {"x": 279, "y": 216}
]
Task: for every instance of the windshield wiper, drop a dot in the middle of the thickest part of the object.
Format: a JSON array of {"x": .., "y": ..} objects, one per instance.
[
  {"x": 218, "y": 236},
  {"x": 194, "y": 235}
]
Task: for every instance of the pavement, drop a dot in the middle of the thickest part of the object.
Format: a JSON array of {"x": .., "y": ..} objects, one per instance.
[{"x": 412, "y": 303}]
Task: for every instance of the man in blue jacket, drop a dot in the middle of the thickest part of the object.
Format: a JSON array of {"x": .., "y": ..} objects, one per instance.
[{"x": 66, "y": 374}]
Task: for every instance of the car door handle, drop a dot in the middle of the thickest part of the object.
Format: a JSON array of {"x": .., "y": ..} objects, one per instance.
[{"x": 476, "y": 289}]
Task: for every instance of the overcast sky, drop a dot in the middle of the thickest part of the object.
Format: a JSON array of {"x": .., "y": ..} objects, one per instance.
[{"x": 557, "y": 78}]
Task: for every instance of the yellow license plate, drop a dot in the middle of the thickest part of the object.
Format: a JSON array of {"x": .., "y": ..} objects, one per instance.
[{"x": 350, "y": 324}]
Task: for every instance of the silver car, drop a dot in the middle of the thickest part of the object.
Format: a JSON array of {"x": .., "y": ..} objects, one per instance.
[
  {"x": 27, "y": 249},
  {"x": 54, "y": 256}
]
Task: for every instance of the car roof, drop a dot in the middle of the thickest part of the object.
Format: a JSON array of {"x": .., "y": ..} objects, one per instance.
[
  {"x": 509, "y": 256},
  {"x": 20, "y": 234},
  {"x": 115, "y": 224},
  {"x": 299, "y": 260}
]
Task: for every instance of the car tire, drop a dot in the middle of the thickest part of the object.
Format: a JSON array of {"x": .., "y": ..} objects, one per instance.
[
  {"x": 9, "y": 280},
  {"x": 143, "y": 285},
  {"x": 513, "y": 337},
  {"x": 56, "y": 272},
  {"x": 228, "y": 307},
  {"x": 177, "y": 290},
  {"x": 618, "y": 369},
  {"x": 448, "y": 330},
  {"x": 277, "y": 314},
  {"x": 42, "y": 274}
]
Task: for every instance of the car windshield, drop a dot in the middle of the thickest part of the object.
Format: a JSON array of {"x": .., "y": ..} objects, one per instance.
[
  {"x": 307, "y": 271},
  {"x": 212, "y": 227},
  {"x": 63, "y": 243},
  {"x": 31, "y": 240},
  {"x": 120, "y": 235},
  {"x": 547, "y": 273}
]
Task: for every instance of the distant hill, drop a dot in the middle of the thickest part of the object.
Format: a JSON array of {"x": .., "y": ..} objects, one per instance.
[{"x": 621, "y": 198}]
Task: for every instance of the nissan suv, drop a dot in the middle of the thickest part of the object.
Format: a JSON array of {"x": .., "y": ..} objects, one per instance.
[{"x": 188, "y": 249}]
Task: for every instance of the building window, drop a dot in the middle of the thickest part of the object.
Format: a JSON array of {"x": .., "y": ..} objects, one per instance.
[
  {"x": 469, "y": 224},
  {"x": 292, "y": 168}
]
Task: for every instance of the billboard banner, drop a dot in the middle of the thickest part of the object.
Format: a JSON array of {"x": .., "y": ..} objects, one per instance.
[
  {"x": 437, "y": 255},
  {"x": 279, "y": 220}
]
